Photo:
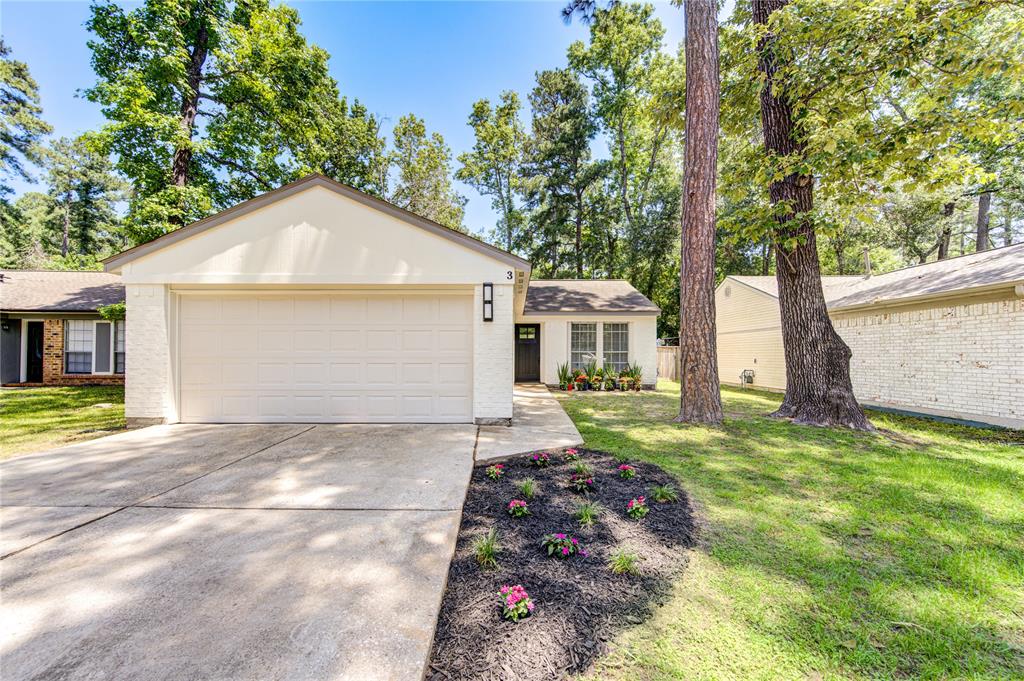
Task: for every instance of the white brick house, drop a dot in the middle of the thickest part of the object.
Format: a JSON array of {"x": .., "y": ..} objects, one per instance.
[
  {"x": 318, "y": 303},
  {"x": 942, "y": 339}
]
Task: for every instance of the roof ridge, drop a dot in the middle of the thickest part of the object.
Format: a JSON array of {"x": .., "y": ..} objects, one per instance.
[{"x": 955, "y": 257}]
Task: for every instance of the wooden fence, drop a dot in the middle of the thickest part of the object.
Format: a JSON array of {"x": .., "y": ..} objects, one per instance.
[{"x": 668, "y": 362}]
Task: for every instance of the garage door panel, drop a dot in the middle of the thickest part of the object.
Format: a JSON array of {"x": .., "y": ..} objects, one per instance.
[
  {"x": 311, "y": 375},
  {"x": 346, "y": 374},
  {"x": 275, "y": 340},
  {"x": 235, "y": 374},
  {"x": 382, "y": 407},
  {"x": 381, "y": 375},
  {"x": 453, "y": 373},
  {"x": 383, "y": 310},
  {"x": 275, "y": 310},
  {"x": 379, "y": 340},
  {"x": 274, "y": 374},
  {"x": 312, "y": 310},
  {"x": 453, "y": 340},
  {"x": 346, "y": 310},
  {"x": 454, "y": 310},
  {"x": 312, "y": 340},
  {"x": 325, "y": 358},
  {"x": 419, "y": 310},
  {"x": 238, "y": 310},
  {"x": 346, "y": 340}
]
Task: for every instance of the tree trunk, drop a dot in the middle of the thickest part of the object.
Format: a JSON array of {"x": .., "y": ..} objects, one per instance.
[
  {"x": 947, "y": 229},
  {"x": 1008, "y": 228},
  {"x": 65, "y": 245},
  {"x": 984, "y": 201},
  {"x": 700, "y": 399},
  {"x": 579, "y": 235},
  {"x": 766, "y": 258},
  {"x": 190, "y": 102},
  {"x": 818, "y": 386}
]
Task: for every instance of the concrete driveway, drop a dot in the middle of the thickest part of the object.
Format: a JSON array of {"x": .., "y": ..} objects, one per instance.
[{"x": 230, "y": 552}]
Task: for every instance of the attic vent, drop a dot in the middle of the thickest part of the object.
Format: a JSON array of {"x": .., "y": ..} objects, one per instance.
[{"x": 728, "y": 291}]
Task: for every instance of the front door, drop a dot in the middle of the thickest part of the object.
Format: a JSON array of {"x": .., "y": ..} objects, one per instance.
[
  {"x": 34, "y": 366},
  {"x": 527, "y": 352}
]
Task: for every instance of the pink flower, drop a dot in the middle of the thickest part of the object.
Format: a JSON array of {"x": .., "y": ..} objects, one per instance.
[
  {"x": 570, "y": 452},
  {"x": 565, "y": 550}
]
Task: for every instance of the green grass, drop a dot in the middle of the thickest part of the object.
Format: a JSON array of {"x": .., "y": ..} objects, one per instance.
[
  {"x": 33, "y": 419},
  {"x": 827, "y": 553}
]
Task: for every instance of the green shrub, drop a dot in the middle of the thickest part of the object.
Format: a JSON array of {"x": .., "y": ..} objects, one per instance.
[
  {"x": 587, "y": 512},
  {"x": 624, "y": 563},
  {"x": 486, "y": 549},
  {"x": 527, "y": 487},
  {"x": 664, "y": 493}
]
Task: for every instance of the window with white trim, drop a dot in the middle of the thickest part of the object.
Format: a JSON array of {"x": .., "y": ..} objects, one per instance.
[
  {"x": 78, "y": 342},
  {"x": 582, "y": 344},
  {"x": 119, "y": 347},
  {"x": 616, "y": 346}
]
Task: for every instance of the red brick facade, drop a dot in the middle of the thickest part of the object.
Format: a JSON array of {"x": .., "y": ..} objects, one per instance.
[{"x": 53, "y": 360}]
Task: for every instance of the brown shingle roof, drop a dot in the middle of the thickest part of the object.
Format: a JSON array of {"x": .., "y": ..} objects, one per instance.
[
  {"x": 561, "y": 296},
  {"x": 35, "y": 291}
]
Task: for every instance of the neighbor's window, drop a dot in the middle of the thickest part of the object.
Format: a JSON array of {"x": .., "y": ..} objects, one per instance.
[
  {"x": 616, "y": 346},
  {"x": 78, "y": 346},
  {"x": 119, "y": 347},
  {"x": 582, "y": 344}
]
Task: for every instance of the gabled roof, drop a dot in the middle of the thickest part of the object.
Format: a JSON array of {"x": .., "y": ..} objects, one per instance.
[
  {"x": 966, "y": 273},
  {"x": 991, "y": 268},
  {"x": 570, "y": 296},
  {"x": 37, "y": 291},
  {"x": 314, "y": 180}
]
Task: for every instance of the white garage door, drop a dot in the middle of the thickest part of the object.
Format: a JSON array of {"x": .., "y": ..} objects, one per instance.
[{"x": 325, "y": 358}]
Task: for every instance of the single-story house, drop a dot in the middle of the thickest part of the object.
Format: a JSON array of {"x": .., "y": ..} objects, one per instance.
[
  {"x": 941, "y": 339},
  {"x": 51, "y": 332},
  {"x": 318, "y": 303}
]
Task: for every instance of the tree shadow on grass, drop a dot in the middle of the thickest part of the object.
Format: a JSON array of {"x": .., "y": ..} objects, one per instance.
[{"x": 878, "y": 560}]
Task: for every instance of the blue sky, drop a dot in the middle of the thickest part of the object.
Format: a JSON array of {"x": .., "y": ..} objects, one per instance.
[{"x": 433, "y": 59}]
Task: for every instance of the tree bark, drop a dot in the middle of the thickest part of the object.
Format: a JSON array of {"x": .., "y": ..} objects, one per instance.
[
  {"x": 984, "y": 202},
  {"x": 65, "y": 237},
  {"x": 766, "y": 258},
  {"x": 700, "y": 399},
  {"x": 190, "y": 101},
  {"x": 579, "y": 235},
  {"x": 947, "y": 230},
  {"x": 1008, "y": 228},
  {"x": 818, "y": 386}
]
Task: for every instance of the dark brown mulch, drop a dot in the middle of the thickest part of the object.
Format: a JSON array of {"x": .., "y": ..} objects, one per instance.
[{"x": 579, "y": 604}]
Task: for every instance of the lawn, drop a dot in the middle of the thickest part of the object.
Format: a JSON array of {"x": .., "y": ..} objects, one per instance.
[
  {"x": 827, "y": 553},
  {"x": 32, "y": 419}
]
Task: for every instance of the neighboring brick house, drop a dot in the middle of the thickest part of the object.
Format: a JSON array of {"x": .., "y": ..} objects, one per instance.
[
  {"x": 942, "y": 339},
  {"x": 51, "y": 332}
]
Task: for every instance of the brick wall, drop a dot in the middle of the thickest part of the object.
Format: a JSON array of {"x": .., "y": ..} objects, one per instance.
[
  {"x": 148, "y": 390},
  {"x": 964, "y": 361},
  {"x": 53, "y": 360},
  {"x": 493, "y": 353}
]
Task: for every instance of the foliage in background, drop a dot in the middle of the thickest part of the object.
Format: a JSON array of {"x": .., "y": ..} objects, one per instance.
[{"x": 423, "y": 182}]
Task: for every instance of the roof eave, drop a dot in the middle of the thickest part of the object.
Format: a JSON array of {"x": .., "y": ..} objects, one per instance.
[
  {"x": 910, "y": 300},
  {"x": 594, "y": 313}
]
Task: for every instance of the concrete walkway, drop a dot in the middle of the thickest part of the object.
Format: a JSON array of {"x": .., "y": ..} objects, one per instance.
[
  {"x": 538, "y": 422},
  {"x": 230, "y": 552}
]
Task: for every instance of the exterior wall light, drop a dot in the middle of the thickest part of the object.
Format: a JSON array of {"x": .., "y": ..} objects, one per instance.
[{"x": 488, "y": 301}]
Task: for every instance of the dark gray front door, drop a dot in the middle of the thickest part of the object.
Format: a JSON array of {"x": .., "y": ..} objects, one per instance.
[{"x": 527, "y": 352}]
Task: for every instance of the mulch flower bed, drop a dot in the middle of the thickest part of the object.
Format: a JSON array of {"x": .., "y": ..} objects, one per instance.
[{"x": 579, "y": 603}]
